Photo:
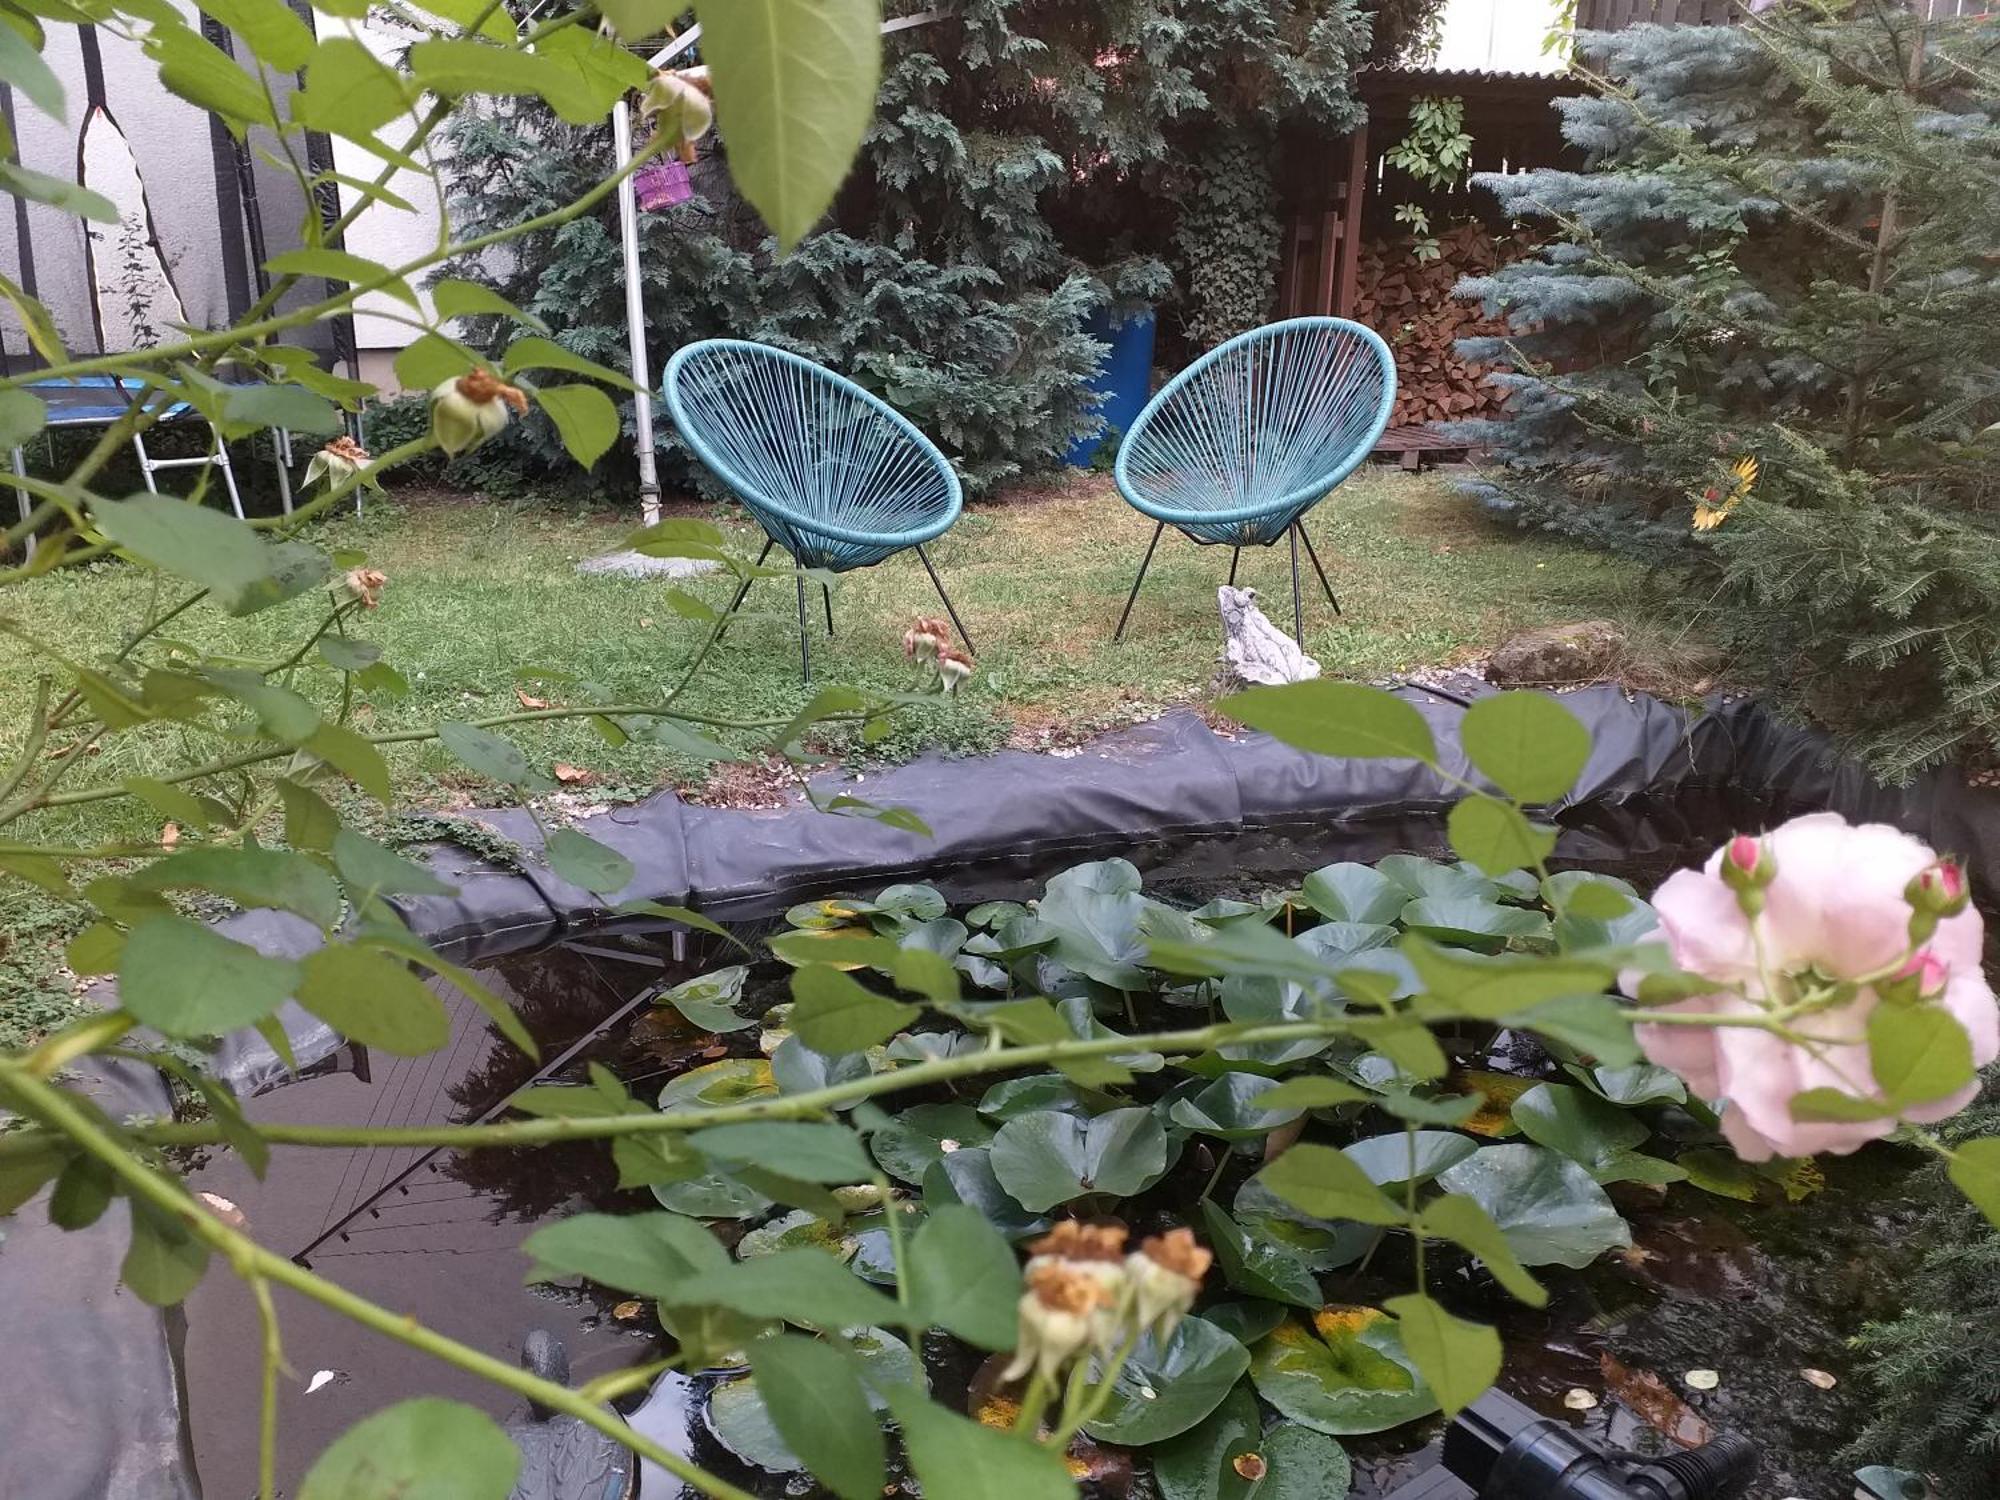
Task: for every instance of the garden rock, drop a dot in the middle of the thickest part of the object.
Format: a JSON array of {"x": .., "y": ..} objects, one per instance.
[
  {"x": 1255, "y": 653},
  {"x": 1559, "y": 655}
]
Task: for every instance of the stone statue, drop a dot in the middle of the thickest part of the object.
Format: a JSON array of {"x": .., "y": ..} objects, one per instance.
[
  {"x": 1255, "y": 653},
  {"x": 562, "y": 1458}
]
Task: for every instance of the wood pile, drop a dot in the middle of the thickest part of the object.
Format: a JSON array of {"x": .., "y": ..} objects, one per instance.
[{"x": 1409, "y": 302}]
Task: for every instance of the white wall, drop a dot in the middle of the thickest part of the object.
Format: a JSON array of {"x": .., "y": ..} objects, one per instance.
[
  {"x": 1503, "y": 35},
  {"x": 382, "y": 232}
]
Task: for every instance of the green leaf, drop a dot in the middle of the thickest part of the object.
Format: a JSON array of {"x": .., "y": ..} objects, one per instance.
[
  {"x": 206, "y": 547},
  {"x": 585, "y": 419},
  {"x": 533, "y": 352},
  {"x": 1312, "y": 1093},
  {"x": 1350, "y": 892},
  {"x": 582, "y": 860},
  {"x": 1470, "y": 922},
  {"x": 1298, "y": 1463},
  {"x": 1495, "y": 836},
  {"x": 1975, "y": 1172},
  {"x": 1586, "y": 1129},
  {"x": 370, "y": 869},
  {"x": 908, "y": 1145},
  {"x": 1918, "y": 1053},
  {"x": 1487, "y": 988},
  {"x": 1047, "y": 1158},
  {"x": 23, "y": 68},
  {"x": 428, "y": 1449},
  {"x": 1720, "y": 1173},
  {"x": 1347, "y": 1373},
  {"x": 1393, "y": 1159},
  {"x": 1257, "y": 1266},
  {"x": 169, "y": 801},
  {"x": 800, "y": 1286},
  {"x": 1170, "y": 1384},
  {"x": 373, "y": 999},
  {"x": 651, "y": 1254},
  {"x": 1525, "y": 743},
  {"x": 795, "y": 85},
  {"x": 1327, "y": 1184},
  {"x": 1461, "y": 1220},
  {"x": 85, "y": 1187},
  {"x": 1547, "y": 1207},
  {"x": 185, "y": 980},
  {"x": 21, "y": 414},
  {"x": 487, "y": 753},
  {"x": 430, "y": 361},
  {"x": 833, "y": 1015},
  {"x": 165, "y": 1259},
  {"x": 1459, "y": 1360},
  {"x": 960, "y": 1458},
  {"x": 709, "y": 1000},
  {"x": 963, "y": 1277},
  {"x": 1336, "y": 718},
  {"x": 345, "y": 268},
  {"x": 249, "y": 877},
  {"x": 734, "y": 1080},
  {"x": 22, "y": 1174},
  {"x": 351, "y": 755},
  {"x": 466, "y": 299},
  {"x": 636, "y": 20},
  {"x": 58, "y": 192},
  {"x": 1234, "y": 1107},
  {"x": 807, "y": 1151},
  {"x": 815, "y": 1398}
]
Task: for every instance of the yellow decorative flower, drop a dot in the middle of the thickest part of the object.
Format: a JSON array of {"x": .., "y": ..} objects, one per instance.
[{"x": 1713, "y": 508}]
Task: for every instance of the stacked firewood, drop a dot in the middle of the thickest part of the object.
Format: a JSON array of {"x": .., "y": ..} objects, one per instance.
[{"x": 1409, "y": 302}]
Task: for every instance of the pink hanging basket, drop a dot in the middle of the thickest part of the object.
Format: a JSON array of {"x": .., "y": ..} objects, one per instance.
[{"x": 662, "y": 184}]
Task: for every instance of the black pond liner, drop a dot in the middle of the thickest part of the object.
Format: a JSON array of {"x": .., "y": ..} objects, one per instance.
[{"x": 95, "y": 1404}]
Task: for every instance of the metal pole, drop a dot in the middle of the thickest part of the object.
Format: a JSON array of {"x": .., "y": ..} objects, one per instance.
[{"x": 635, "y": 315}]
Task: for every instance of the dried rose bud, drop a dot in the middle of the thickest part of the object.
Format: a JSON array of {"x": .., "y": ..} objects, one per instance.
[
  {"x": 468, "y": 409},
  {"x": 1165, "y": 1275},
  {"x": 954, "y": 666},
  {"x": 337, "y": 461},
  {"x": 678, "y": 106},
  {"x": 1056, "y": 1320},
  {"x": 366, "y": 585},
  {"x": 926, "y": 638}
]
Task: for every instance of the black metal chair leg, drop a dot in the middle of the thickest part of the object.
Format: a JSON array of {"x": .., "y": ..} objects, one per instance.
[
  {"x": 1235, "y": 553},
  {"x": 827, "y": 594},
  {"x": 950, "y": 609},
  {"x": 1307, "y": 537},
  {"x": 1298, "y": 605},
  {"x": 744, "y": 592},
  {"x": 805, "y": 642},
  {"x": 1119, "y": 633}
]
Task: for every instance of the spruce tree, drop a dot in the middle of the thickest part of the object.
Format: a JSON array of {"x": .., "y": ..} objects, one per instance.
[{"x": 1783, "y": 248}]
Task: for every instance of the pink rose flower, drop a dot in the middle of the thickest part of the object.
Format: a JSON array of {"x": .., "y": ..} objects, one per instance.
[{"x": 1837, "y": 907}]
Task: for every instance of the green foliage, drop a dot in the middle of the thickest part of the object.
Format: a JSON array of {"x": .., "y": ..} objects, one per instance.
[
  {"x": 1228, "y": 238},
  {"x": 1778, "y": 255}
]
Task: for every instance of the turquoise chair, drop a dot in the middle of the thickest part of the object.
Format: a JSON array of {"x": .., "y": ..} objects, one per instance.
[
  {"x": 835, "y": 476},
  {"x": 1242, "y": 443}
]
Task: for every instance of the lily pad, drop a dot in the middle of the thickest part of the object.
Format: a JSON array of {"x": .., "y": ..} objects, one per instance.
[
  {"x": 1227, "y": 1108},
  {"x": 1257, "y": 1266},
  {"x": 1641, "y": 1083},
  {"x": 967, "y": 1177},
  {"x": 1547, "y": 1206},
  {"x": 1094, "y": 912},
  {"x": 795, "y": 1231},
  {"x": 1168, "y": 1385},
  {"x": 709, "y": 1001},
  {"x": 1231, "y": 1457},
  {"x": 1345, "y": 1373},
  {"x": 1583, "y": 1127},
  {"x": 1470, "y": 922},
  {"x": 920, "y": 903},
  {"x": 925, "y": 1133},
  {"x": 711, "y": 1197},
  {"x": 734, "y": 1080},
  {"x": 1428, "y": 877},
  {"x": 1020, "y": 1096},
  {"x": 741, "y": 1422},
  {"x": 1246, "y": 1322},
  {"x": 1398, "y": 1157},
  {"x": 1351, "y": 892},
  {"x": 1047, "y": 1157},
  {"x": 796, "y": 1069},
  {"x": 1323, "y": 1244}
]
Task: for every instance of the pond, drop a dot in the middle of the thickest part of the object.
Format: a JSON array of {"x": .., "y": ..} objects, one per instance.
[{"x": 1758, "y": 1278}]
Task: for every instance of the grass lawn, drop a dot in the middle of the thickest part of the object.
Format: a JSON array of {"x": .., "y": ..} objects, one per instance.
[{"x": 481, "y": 591}]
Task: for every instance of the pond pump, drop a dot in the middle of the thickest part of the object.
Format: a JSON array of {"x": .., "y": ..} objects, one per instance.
[{"x": 1498, "y": 1449}]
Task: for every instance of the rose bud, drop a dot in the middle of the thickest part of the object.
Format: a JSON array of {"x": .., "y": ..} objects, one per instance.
[
  {"x": 1922, "y": 977},
  {"x": 1747, "y": 868},
  {"x": 468, "y": 409}
]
